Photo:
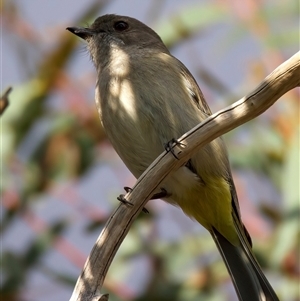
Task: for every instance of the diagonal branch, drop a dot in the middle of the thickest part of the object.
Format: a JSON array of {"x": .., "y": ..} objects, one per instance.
[{"x": 281, "y": 80}]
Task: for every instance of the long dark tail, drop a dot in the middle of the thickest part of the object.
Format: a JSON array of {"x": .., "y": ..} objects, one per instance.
[{"x": 249, "y": 281}]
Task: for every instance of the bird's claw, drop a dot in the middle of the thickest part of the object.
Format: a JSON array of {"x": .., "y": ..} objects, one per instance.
[
  {"x": 169, "y": 146},
  {"x": 122, "y": 199}
]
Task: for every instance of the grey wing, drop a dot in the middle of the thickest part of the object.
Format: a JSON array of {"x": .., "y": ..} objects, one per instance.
[
  {"x": 194, "y": 91},
  {"x": 197, "y": 96}
]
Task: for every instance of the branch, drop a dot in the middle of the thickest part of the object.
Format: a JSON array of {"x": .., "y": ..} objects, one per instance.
[
  {"x": 281, "y": 80},
  {"x": 4, "y": 102}
]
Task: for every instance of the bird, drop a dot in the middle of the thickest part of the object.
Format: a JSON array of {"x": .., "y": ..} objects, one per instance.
[{"x": 146, "y": 98}]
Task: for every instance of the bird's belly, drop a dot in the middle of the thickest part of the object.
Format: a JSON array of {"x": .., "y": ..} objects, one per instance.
[{"x": 139, "y": 134}]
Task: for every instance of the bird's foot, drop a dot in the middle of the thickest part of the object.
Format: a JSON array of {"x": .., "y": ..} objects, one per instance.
[
  {"x": 122, "y": 199},
  {"x": 169, "y": 146}
]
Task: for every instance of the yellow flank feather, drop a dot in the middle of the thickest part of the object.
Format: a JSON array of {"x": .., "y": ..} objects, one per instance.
[{"x": 212, "y": 207}]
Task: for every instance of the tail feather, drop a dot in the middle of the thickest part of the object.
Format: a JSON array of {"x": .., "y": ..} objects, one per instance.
[
  {"x": 246, "y": 274},
  {"x": 265, "y": 285}
]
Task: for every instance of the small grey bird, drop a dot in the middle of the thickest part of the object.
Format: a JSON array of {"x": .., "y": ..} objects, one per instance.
[{"x": 145, "y": 98}]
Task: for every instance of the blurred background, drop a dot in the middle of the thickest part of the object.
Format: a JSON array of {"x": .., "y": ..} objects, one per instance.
[{"x": 60, "y": 177}]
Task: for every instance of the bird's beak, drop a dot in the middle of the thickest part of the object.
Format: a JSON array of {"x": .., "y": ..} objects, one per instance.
[{"x": 81, "y": 32}]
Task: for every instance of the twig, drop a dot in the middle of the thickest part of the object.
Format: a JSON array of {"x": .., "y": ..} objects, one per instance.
[
  {"x": 4, "y": 102},
  {"x": 281, "y": 80}
]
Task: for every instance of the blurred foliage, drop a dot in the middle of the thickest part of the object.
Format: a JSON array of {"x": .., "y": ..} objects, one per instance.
[{"x": 44, "y": 145}]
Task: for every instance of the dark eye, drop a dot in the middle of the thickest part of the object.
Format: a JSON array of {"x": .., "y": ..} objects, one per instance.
[{"x": 121, "y": 26}]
